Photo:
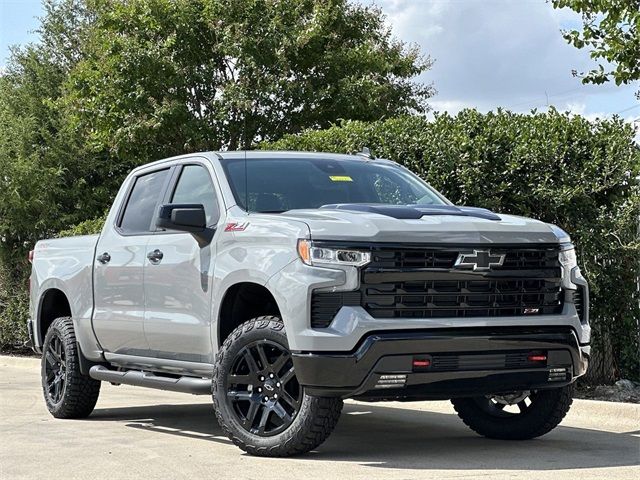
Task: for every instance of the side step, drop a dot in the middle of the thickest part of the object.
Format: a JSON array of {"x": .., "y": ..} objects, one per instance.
[{"x": 196, "y": 386}]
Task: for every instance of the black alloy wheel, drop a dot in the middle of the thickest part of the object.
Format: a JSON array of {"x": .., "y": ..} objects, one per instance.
[
  {"x": 508, "y": 404},
  {"x": 263, "y": 391},
  {"x": 55, "y": 367}
]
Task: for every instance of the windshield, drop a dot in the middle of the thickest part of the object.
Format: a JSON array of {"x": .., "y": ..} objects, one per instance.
[{"x": 277, "y": 185}]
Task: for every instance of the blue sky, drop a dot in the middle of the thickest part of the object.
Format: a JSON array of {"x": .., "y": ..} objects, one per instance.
[{"x": 488, "y": 53}]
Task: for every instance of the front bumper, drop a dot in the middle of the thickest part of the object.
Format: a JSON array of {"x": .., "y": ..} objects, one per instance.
[{"x": 463, "y": 362}]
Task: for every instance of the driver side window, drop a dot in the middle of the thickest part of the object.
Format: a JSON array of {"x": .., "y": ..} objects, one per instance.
[{"x": 195, "y": 186}]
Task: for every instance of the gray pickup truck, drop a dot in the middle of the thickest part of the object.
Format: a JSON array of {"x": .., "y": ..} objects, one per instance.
[{"x": 282, "y": 283}]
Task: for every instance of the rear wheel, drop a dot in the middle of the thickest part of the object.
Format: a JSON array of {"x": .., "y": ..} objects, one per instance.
[
  {"x": 516, "y": 415},
  {"x": 258, "y": 401},
  {"x": 67, "y": 392}
]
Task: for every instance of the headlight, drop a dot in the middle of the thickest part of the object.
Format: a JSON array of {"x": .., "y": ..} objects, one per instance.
[
  {"x": 313, "y": 255},
  {"x": 568, "y": 258}
]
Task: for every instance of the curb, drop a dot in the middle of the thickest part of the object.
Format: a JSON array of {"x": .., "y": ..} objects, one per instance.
[{"x": 19, "y": 361}]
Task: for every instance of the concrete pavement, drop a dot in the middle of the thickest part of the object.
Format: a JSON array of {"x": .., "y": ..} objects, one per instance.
[{"x": 137, "y": 433}]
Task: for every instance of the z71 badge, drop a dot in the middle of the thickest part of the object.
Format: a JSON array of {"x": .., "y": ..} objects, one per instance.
[{"x": 236, "y": 227}]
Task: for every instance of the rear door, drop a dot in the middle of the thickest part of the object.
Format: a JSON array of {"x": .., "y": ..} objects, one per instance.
[
  {"x": 119, "y": 265},
  {"x": 179, "y": 274}
]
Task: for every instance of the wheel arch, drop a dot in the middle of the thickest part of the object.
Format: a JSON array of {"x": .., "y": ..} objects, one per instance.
[
  {"x": 243, "y": 301},
  {"x": 53, "y": 303}
]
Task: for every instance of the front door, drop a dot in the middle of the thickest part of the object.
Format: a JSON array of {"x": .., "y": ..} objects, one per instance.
[
  {"x": 118, "y": 318},
  {"x": 178, "y": 275}
]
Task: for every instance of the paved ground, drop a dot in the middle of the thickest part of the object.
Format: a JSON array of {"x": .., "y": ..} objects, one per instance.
[{"x": 148, "y": 434}]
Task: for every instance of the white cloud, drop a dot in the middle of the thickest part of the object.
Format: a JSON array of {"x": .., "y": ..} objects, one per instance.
[
  {"x": 452, "y": 106},
  {"x": 508, "y": 53}
]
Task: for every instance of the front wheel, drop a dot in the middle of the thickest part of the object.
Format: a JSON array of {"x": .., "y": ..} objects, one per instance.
[
  {"x": 516, "y": 415},
  {"x": 258, "y": 401}
]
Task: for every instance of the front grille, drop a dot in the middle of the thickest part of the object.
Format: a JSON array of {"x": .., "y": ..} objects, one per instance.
[
  {"x": 462, "y": 298},
  {"x": 423, "y": 282}
]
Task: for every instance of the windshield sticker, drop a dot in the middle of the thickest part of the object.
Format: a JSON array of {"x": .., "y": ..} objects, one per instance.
[{"x": 340, "y": 178}]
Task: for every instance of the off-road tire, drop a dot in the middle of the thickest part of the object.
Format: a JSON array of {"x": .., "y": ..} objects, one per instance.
[
  {"x": 80, "y": 392},
  {"x": 544, "y": 414},
  {"x": 313, "y": 422}
]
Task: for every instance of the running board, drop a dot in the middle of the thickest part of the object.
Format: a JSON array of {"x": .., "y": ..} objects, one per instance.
[{"x": 194, "y": 385}]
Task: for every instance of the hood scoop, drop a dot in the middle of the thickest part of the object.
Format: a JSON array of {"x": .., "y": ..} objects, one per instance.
[{"x": 415, "y": 212}]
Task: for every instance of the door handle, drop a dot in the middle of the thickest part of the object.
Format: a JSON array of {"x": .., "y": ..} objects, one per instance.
[
  {"x": 104, "y": 258},
  {"x": 155, "y": 257}
]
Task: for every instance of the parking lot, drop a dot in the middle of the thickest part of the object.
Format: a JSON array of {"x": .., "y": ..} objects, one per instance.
[{"x": 148, "y": 434}]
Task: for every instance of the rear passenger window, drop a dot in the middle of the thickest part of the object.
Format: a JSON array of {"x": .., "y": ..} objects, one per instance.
[
  {"x": 141, "y": 206},
  {"x": 194, "y": 186}
]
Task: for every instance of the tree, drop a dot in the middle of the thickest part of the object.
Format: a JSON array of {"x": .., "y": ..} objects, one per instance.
[
  {"x": 48, "y": 180},
  {"x": 163, "y": 77},
  {"x": 611, "y": 29}
]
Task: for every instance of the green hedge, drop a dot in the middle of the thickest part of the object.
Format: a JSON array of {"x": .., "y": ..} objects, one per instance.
[{"x": 580, "y": 175}]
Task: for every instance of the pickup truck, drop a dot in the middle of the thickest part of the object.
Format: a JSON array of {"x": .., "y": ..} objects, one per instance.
[{"x": 282, "y": 283}]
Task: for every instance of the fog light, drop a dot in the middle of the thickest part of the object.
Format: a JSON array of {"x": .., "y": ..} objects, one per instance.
[
  {"x": 421, "y": 363},
  {"x": 537, "y": 358}
]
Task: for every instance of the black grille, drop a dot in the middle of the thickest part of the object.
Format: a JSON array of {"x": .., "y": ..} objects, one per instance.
[
  {"x": 423, "y": 282},
  {"x": 325, "y": 306},
  {"x": 416, "y": 257},
  {"x": 462, "y": 298},
  {"x": 493, "y": 361}
]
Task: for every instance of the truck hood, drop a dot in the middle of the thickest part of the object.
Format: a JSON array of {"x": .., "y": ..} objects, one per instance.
[{"x": 452, "y": 225}]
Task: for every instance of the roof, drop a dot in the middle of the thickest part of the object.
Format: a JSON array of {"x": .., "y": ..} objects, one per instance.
[
  {"x": 294, "y": 155},
  {"x": 283, "y": 154},
  {"x": 263, "y": 154}
]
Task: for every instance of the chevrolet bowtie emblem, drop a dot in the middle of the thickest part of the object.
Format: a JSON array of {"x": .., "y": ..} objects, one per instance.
[{"x": 479, "y": 259}]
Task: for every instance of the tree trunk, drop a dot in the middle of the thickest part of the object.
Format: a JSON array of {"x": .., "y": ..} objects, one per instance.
[{"x": 602, "y": 368}]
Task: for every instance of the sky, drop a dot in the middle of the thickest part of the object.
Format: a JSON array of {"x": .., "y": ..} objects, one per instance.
[{"x": 487, "y": 53}]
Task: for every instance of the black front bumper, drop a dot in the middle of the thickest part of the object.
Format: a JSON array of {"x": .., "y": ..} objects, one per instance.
[{"x": 462, "y": 362}]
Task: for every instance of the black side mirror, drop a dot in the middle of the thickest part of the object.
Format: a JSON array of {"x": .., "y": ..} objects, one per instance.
[{"x": 185, "y": 217}]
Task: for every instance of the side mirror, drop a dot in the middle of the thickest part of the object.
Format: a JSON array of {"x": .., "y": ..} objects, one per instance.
[{"x": 185, "y": 217}]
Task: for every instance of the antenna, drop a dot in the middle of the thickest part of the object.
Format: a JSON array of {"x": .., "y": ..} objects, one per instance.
[{"x": 366, "y": 153}]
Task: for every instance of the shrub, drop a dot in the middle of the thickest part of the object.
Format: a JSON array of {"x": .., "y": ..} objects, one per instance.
[
  {"x": 14, "y": 306},
  {"x": 559, "y": 168},
  {"x": 88, "y": 227}
]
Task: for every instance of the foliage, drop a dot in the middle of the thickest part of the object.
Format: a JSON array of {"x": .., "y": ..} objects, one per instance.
[
  {"x": 88, "y": 227},
  {"x": 562, "y": 169},
  {"x": 611, "y": 30},
  {"x": 164, "y": 77},
  {"x": 14, "y": 306}
]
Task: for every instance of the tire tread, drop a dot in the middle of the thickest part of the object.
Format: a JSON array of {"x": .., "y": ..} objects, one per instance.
[
  {"x": 81, "y": 392},
  {"x": 550, "y": 409},
  {"x": 319, "y": 418}
]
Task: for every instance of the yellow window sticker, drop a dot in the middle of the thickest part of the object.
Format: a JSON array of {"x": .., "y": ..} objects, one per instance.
[{"x": 340, "y": 178}]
